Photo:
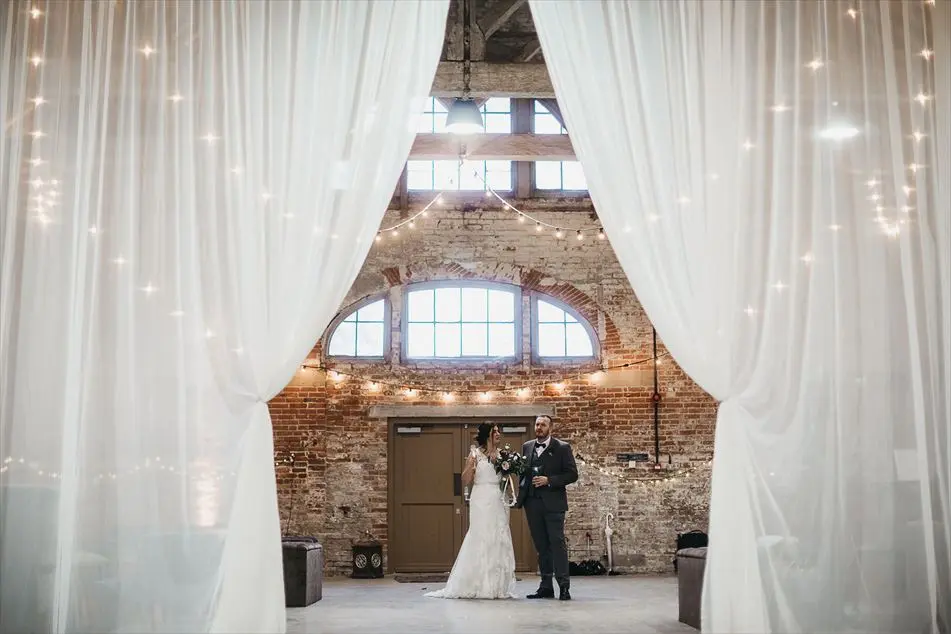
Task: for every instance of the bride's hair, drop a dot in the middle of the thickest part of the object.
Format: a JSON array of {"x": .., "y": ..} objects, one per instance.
[{"x": 485, "y": 430}]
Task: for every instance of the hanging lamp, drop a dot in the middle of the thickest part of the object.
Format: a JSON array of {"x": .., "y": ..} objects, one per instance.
[{"x": 464, "y": 115}]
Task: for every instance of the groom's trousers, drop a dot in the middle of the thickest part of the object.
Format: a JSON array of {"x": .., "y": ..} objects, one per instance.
[{"x": 548, "y": 534}]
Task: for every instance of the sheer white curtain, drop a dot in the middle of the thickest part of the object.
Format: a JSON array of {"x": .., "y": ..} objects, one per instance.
[
  {"x": 188, "y": 190},
  {"x": 773, "y": 181}
]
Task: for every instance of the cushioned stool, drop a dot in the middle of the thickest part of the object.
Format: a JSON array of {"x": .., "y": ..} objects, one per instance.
[
  {"x": 303, "y": 571},
  {"x": 691, "y": 563}
]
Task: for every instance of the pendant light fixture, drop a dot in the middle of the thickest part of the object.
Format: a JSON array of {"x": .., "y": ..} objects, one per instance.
[{"x": 464, "y": 115}]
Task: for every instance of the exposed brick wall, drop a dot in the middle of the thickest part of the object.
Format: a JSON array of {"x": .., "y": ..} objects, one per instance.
[{"x": 336, "y": 486}]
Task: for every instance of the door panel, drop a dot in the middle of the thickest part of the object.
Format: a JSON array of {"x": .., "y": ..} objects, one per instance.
[
  {"x": 526, "y": 560},
  {"x": 427, "y": 528},
  {"x": 429, "y": 517}
]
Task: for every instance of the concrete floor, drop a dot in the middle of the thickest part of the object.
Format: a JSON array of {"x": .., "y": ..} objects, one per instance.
[{"x": 638, "y": 605}]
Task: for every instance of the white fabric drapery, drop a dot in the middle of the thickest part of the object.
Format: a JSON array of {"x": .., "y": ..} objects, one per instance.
[
  {"x": 774, "y": 183},
  {"x": 188, "y": 190}
]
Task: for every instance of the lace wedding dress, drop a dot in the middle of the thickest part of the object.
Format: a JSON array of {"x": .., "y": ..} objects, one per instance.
[{"x": 485, "y": 566}]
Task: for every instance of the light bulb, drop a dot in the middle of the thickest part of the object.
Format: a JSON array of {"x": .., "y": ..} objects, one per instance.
[
  {"x": 601, "y": 235},
  {"x": 538, "y": 226},
  {"x": 579, "y": 235},
  {"x": 839, "y": 131},
  {"x": 559, "y": 233}
]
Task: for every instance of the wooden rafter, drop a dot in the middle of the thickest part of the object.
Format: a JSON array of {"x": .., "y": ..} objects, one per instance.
[
  {"x": 494, "y": 80},
  {"x": 504, "y": 147},
  {"x": 497, "y": 15}
]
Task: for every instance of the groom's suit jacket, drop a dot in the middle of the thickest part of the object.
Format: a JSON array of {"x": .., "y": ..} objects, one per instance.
[{"x": 558, "y": 463}]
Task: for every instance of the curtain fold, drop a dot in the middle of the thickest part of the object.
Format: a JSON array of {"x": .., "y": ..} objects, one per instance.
[
  {"x": 773, "y": 178},
  {"x": 188, "y": 190}
]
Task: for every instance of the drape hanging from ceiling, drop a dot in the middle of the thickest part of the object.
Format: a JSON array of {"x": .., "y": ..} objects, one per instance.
[
  {"x": 773, "y": 177},
  {"x": 188, "y": 190}
]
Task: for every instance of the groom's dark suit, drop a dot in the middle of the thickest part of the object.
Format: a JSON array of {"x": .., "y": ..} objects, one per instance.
[{"x": 545, "y": 506}]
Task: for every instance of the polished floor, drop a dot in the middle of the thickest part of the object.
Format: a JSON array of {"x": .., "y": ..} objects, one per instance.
[{"x": 600, "y": 605}]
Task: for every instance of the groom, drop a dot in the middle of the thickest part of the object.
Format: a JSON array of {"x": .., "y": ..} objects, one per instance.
[{"x": 551, "y": 467}]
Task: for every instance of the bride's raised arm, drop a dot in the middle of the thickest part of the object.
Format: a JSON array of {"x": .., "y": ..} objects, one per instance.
[{"x": 468, "y": 473}]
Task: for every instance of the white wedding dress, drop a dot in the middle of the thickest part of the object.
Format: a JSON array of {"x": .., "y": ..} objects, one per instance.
[{"x": 485, "y": 566}]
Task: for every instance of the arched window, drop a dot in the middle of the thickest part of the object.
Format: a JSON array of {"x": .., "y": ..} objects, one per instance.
[
  {"x": 461, "y": 320},
  {"x": 363, "y": 332},
  {"x": 560, "y": 333}
]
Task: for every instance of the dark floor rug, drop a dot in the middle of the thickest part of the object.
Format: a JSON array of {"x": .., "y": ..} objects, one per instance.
[{"x": 426, "y": 577}]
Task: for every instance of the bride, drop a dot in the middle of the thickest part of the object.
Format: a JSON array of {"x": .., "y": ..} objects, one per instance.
[{"x": 485, "y": 566}]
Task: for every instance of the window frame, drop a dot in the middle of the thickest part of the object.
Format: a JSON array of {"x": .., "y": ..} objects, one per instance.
[
  {"x": 515, "y": 289},
  {"x": 538, "y": 191},
  {"x": 537, "y": 359},
  {"x": 350, "y": 310}
]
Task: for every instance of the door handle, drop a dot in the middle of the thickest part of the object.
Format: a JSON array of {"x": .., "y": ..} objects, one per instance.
[{"x": 457, "y": 484}]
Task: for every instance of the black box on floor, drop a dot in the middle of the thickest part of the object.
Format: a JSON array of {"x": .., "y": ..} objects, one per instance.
[
  {"x": 303, "y": 571},
  {"x": 367, "y": 560}
]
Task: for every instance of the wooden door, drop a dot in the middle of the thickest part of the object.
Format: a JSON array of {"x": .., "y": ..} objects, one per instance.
[
  {"x": 426, "y": 528},
  {"x": 526, "y": 560},
  {"x": 428, "y": 513}
]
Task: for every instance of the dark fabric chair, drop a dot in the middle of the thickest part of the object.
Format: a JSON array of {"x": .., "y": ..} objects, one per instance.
[
  {"x": 303, "y": 571},
  {"x": 691, "y": 563}
]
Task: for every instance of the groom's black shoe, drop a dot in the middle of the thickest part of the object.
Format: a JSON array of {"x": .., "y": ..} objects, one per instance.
[
  {"x": 542, "y": 593},
  {"x": 563, "y": 594}
]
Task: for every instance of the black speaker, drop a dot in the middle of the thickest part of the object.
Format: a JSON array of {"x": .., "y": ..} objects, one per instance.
[{"x": 367, "y": 560}]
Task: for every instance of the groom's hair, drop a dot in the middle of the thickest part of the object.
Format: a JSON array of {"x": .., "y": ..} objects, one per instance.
[{"x": 547, "y": 417}]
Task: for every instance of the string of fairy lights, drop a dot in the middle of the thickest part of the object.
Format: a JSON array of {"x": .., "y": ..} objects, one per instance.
[
  {"x": 412, "y": 389},
  {"x": 46, "y": 195},
  {"x": 393, "y": 231}
]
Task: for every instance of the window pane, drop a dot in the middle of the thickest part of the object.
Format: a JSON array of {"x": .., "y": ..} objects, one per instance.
[
  {"x": 539, "y": 107},
  {"x": 419, "y": 175},
  {"x": 369, "y": 340},
  {"x": 471, "y": 174},
  {"x": 547, "y": 124},
  {"x": 343, "y": 341},
  {"x": 578, "y": 342},
  {"x": 501, "y": 305},
  {"x": 420, "y": 306},
  {"x": 497, "y": 104},
  {"x": 419, "y": 340},
  {"x": 551, "y": 340},
  {"x": 446, "y": 175},
  {"x": 500, "y": 181},
  {"x": 570, "y": 319},
  {"x": 447, "y": 340},
  {"x": 547, "y": 175},
  {"x": 498, "y": 123},
  {"x": 437, "y": 106},
  {"x": 371, "y": 312},
  {"x": 475, "y": 340},
  {"x": 547, "y": 312},
  {"x": 573, "y": 176},
  {"x": 501, "y": 340},
  {"x": 352, "y": 317},
  {"x": 475, "y": 304},
  {"x": 439, "y": 122},
  {"x": 447, "y": 304}
]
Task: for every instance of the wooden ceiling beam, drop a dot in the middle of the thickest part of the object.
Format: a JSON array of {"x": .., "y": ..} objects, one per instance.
[
  {"x": 497, "y": 15},
  {"x": 502, "y": 147},
  {"x": 530, "y": 51},
  {"x": 494, "y": 80}
]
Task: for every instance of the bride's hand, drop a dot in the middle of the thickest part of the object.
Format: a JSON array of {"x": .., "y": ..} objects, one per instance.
[{"x": 470, "y": 462}]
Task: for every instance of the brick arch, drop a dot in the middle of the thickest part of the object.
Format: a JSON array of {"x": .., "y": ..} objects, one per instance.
[{"x": 529, "y": 279}]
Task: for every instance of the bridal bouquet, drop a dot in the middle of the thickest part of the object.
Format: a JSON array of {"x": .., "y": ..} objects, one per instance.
[{"x": 510, "y": 463}]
